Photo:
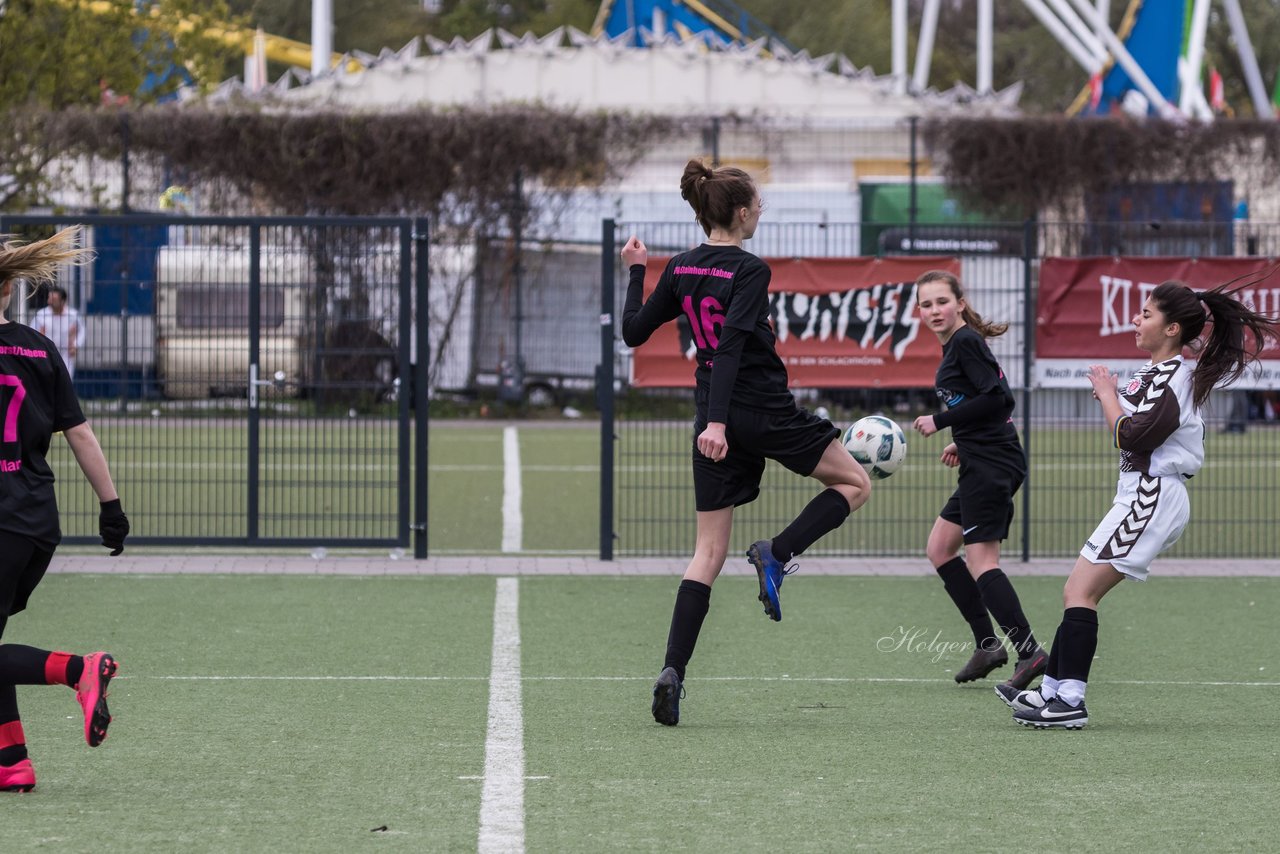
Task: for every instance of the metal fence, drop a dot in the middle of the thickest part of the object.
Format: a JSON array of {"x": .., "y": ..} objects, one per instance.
[
  {"x": 647, "y": 495},
  {"x": 247, "y": 376}
]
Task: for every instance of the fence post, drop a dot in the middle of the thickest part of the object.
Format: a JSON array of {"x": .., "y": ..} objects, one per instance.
[
  {"x": 604, "y": 386},
  {"x": 124, "y": 163},
  {"x": 255, "y": 353},
  {"x": 1029, "y": 250},
  {"x": 912, "y": 206},
  {"x": 405, "y": 376},
  {"x": 422, "y": 319}
]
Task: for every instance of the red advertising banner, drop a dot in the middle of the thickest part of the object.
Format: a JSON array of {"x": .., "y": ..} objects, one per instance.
[
  {"x": 840, "y": 323},
  {"x": 1087, "y": 305}
]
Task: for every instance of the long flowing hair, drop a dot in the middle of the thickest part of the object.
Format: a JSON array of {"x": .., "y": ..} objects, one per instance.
[
  {"x": 1236, "y": 337},
  {"x": 38, "y": 261},
  {"x": 985, "y": 328}
]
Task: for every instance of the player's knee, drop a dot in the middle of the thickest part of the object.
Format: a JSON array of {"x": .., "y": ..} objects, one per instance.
[
  {"x": 857, "y": 491},
  {"x": 938, "y": 552},
  {"x": 711, "y": 556},
  {"x": 1076, "y": 595}
]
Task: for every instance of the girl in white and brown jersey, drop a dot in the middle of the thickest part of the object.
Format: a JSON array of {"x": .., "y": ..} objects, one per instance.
[
  {"x": 38, "y": 400},
  {"x": 1155, "y": 422}
]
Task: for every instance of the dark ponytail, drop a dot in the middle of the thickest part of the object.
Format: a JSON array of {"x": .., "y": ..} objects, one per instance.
[
  {"x": 714, "y": 194},
  {"x": 1227, "y": 350},
  {"x": 984, "y": 328}
]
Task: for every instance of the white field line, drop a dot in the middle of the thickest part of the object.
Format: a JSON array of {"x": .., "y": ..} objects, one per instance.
[
  {"x": 649, "y": 678},
  {"x": 502, "y": 796},
  {"x": 512, "y": 518}
]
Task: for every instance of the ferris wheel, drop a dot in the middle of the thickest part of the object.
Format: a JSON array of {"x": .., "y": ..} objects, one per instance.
[{"x": 1151, "y": 63}]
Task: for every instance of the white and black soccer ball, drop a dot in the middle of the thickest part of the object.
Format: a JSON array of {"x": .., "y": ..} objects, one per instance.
[{"x": 877, "y": 443}]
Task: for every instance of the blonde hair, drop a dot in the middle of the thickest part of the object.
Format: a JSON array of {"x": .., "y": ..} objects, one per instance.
[
  {"x": 985, "y": 328},
  {"x": 38, "y": 261}
]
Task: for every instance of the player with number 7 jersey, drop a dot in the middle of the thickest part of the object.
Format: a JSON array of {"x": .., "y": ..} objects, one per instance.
[
  {"x": 744, "y": 412},
  {"x": 38, "y": 400}
]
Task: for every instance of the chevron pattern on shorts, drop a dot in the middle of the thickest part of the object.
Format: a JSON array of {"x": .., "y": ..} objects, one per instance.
[{"x": 1141, "y": 510}]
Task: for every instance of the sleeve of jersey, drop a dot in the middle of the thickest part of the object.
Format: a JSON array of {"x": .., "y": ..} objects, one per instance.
[
  {"x": 724, "y": 372},
  {"x": 1148, "y": 427},
  {"x": 750, "y": 291},
  {"x": 984, "y": 407},
  {"x": 66, "y": 406},
  {"x": 978, "y": 365},
  {"x": 639, "y": 318}
]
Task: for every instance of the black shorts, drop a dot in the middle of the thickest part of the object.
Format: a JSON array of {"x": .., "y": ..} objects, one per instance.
[
  {"x": 982, "y": 504},
  {"x": 22, "y": 566},
  {"x": 797, "y": 439}
]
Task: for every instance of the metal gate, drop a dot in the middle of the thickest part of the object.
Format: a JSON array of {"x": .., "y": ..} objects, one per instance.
[
  {"x": 646, "y": 494},
  {"x": 248, "y": 378}
]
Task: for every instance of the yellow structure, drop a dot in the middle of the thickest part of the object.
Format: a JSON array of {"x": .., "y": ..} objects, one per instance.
[{"x": 278, "y": 48}]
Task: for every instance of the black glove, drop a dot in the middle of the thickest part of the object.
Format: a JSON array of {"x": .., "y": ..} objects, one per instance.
[{"x": 113, "y": 526}]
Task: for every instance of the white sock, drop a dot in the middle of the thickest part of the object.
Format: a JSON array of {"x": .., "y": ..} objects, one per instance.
[
  {"x": 1071, "y": 691},
  {"x": 1049, "y": 688}
]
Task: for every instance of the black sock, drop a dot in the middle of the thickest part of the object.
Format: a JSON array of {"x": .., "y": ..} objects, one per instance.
[
  {"x": 693, "y": 600},
  {"x": 11, "y": 752},
  {"x": 1079, "y": 642},
  {"x": 1051, "y": 669},
  {"x": 822, "y": 515},
  {"x": 25, "y": 665},
  {"x": 75, "y": 670},
  {"x": 963, "y": 591},
  {"x": 1001, "y": 600}
]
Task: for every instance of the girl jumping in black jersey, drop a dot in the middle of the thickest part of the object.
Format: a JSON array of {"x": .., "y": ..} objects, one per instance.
[
  {"x": 38, "y": 400},
  {"x": 745, "y": 413},
  {"x": 1155, "y": 423},
  {"x": 992, "y": 467}
]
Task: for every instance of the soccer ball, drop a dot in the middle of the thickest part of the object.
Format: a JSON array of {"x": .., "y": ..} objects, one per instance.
[{"x": 877, "y": 443}]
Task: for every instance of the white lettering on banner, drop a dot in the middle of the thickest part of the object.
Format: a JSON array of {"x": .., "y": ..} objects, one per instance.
[
  {"x": 1264, "y": 301},
  {"x": 1118, "y": 319},
  {"x": 871, "y": 316},
  {"x": 1110, "y": 287}
]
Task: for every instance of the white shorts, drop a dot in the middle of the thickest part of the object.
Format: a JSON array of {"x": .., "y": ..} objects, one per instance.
[{"x": 1147, "y": 517}]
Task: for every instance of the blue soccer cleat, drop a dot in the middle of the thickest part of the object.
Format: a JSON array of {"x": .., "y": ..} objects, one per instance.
[{"x": 770, "y": 573}]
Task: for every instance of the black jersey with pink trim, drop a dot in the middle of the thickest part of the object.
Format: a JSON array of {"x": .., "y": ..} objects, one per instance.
[
  {"x": 717, "y": 288},
  {"x": 969, "y": 371},
  {"x": 38, "y": 400}
]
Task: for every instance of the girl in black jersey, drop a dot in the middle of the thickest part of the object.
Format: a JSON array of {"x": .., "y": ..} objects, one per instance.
[
  {"x": 1154, "y": 421},
  {"x": 992, "y": 466},
  {"x": 38, "y": 401},
  {"x": 745, "y": 413}
]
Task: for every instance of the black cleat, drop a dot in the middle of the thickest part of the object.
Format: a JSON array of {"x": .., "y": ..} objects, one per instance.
[
  {"x": 1019, "y": 701},
  {"x": 982, "y": 662},
  {"x": 1054, "y": 714},
  {"x": 1027, "y": 669},
  {"x": 667, "y": 693}
]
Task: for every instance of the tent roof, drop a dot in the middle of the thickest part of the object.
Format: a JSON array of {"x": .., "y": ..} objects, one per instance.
[{"x": 570, "y": 69}]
